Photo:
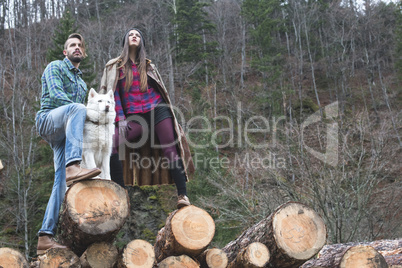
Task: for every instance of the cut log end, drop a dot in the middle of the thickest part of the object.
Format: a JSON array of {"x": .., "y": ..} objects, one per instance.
[
  {"x": 193, "y": 228},
  {"x": 12, "y": 258},
  {"x": 257, "y": 254},
  {"x": 59, "y": 257},
  {"x": 178, "y": 261},
  {"x": 363, "y": 257},
  {"x": 99, "y": 255},
  {"x": 138, "y": 254},
  {"x": 216, "y": 258},
  {"x": 299, "y": 231},
  {"x": 253, "y": 256},
  {"x": 97, "y": 206}
]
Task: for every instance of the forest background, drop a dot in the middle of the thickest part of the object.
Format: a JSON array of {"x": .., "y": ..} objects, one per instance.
[{"x": 315, "y": 83}]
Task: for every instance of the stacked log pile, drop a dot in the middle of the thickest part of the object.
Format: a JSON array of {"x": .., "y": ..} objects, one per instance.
[{"x": 95, "y": 210}]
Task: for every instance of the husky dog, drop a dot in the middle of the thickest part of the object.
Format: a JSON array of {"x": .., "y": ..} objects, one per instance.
[{"x": 98, "y": 132}]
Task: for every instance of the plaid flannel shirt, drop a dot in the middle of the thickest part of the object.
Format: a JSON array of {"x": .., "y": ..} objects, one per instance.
[
  {"x": 134, "y": 101},
  {"x": 61, "y": 85}
]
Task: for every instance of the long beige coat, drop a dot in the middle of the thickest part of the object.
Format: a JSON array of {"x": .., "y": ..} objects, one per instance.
[{"x": 156, "y": 172}]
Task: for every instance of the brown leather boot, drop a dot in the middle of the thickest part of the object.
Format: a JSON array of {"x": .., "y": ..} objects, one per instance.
[
  {"x": 182, "y": 201},
  {"x": 46, "y": 242},
  {"x": 76, "y": 173}
]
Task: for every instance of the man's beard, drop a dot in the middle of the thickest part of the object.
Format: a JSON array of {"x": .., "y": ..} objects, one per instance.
[{"x": 76, "y": 59}]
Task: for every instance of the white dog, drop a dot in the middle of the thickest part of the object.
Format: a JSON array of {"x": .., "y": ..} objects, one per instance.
[{"x": 98, "y": 132}]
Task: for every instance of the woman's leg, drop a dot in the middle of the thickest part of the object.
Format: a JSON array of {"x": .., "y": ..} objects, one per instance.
[
  {"x": 164, "y": 131},
  {"x": 116, "y": 168}
]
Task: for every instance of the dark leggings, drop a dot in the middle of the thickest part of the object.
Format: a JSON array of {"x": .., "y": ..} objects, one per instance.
[{"x": 164, "y": 131}]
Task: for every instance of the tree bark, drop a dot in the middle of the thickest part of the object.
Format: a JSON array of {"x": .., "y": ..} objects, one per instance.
[
  {"x": 93, "y": 211},
  {"x": 138, "y": 254},
  {"x": 213, "y": 258},
  {"x": 253, "y": 256},
  {"x": 178, "y": 261},
  {"x": 394, "y": 261},
  {"x": 59, "y": 257},
  {"x": 188, "y": 231},
  {"x": 12, "y": 258},
  {"x": 293, "y": 233},
  {"x": 99, "y": 255}
]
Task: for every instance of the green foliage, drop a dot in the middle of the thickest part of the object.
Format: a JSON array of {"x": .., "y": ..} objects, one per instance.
[
  {"x": 266, "y": 21},
  {"x": 67, "y": 26},
  {"x": 192, "y": 25}
]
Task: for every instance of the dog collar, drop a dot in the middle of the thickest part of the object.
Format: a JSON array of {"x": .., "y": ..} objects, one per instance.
[{"x": 95, "y": 123}]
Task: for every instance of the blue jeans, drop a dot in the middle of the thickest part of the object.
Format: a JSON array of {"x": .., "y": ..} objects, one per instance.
[{"x": 63, "y": 129}]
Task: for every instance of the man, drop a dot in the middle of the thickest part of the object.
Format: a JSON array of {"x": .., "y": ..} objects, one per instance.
[{"x": 60, "y": 122}]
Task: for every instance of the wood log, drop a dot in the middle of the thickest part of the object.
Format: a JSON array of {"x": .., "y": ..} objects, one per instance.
[
  {"x": 12, "y": 258},
  {"x": 93, "y": 211},
  {"x": 253, "y": 256},
  {"x": 146, "y": 165},
  {"x": 364, "y": 257},
  {"x": 394, "y": 261},
  {"x": 165, "y": 174},
  {"x": 156, "y": 173},
  {"x": 99, "y": 255},
  {"x": 330, "y": 254},
  {"x": 179, "y": 261},
  {"x": 188, "y": 231},
  {"x": 293, "y": 233},
  {"x": 213, "y": 258},
  {"x": 354, "y": 256},
  {"x": 137, "y": 254},
  {"x": 60, "y": 258},
  {"x": 130, "y": 172}
]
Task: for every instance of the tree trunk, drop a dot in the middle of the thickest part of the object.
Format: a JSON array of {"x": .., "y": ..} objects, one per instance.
[
  {"x": 330, "y": 254},
  {"x": 213, "y": 258},
  {"x": 254, "y": 255},
  {"x": 12, "y": 258},
  {"x": 293, "y": 233},
  {"x": 99, "y": 255},
  {"x": 60, "y": 258},
  {"x": 361, "y": 256},
  {"x": 178, "y": 261},
  {"x": 93, "y": 211},
  {"x": 138, "y": 254},
  {"x": 187, "y": 231}
]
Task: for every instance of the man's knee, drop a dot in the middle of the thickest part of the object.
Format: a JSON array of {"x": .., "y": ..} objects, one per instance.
[{"x": 77, "y": 108}]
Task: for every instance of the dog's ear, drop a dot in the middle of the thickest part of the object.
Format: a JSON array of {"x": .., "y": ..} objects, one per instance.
[
  {"x": 111, "y": 94},
  {"x": 92, "y": 93}
]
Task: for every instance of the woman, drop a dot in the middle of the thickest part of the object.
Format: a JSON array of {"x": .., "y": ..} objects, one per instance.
[{"x": 140, "y": 97}]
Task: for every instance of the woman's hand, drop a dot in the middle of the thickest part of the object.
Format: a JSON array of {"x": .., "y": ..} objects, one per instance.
[{"x": 123, "y": 126}]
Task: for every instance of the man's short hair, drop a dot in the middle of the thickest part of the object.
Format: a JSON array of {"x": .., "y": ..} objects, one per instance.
[{"x": 78, "y": 36}]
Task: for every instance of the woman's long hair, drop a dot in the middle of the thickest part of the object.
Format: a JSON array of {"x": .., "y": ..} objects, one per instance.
[{"x": 140, "y": 61}]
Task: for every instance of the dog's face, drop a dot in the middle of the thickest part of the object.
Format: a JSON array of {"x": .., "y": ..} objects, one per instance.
[{"x": 101, "y": 107}]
